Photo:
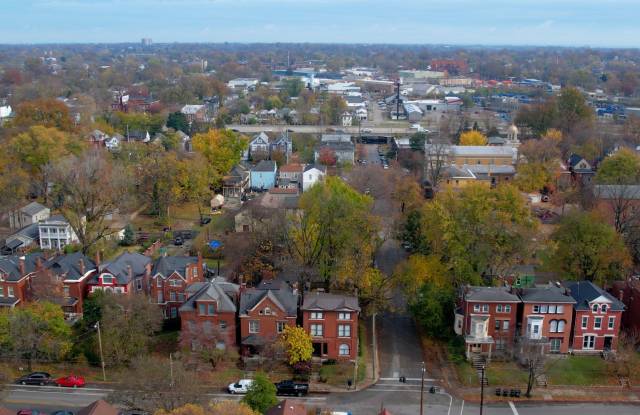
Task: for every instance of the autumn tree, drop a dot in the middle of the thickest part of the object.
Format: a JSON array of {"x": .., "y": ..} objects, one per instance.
[
  {"x": 332, "y": 109},
  {"x": 572, "y": 110},
  {"x": 217, "y": 408},
  {"x": 34, "y": 331},
  {"x": 261, "y": 394},
  {"x": 473, "y": 138},
  {"x": 533, "y": 177},
  {"x": 153, "y": 383},
  {"x": 46, "y": 112},
  {"x": 38, "y": 147},
  {"x": 436, "y": 158},
  {"x": 90, "y": 189},
  {"x": 621, "y": 168},
  {"x": 586, "y": 248},
  {"x": 327, "y": 157},
  {"x": 14, "y": 183},
  {"x": 297, "y": 343},
  {"x": 222, "y": 149}
]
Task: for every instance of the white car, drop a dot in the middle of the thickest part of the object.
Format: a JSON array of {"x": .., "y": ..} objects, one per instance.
[{"x": 241, "y": 386}]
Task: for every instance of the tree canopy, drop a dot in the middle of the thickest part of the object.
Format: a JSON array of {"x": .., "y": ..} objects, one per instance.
[
  {"x": 623, "y": 167},
  {"x": 473, "y": 138},
  {"x": 297, "y": 344},
  {"x": 261, "y": 395},
  {"x": 222, "y": 149}
]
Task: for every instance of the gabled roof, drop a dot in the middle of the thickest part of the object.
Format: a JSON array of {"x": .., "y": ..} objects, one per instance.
[
  {"x": 489, "y": 294},
  {"x": 287, "y": 407},
  {"x": 547, "y": 294},
  {"x": 119, "y": 267},
  {"x": 291, "y": 168},
  {"x": 265, "y": 166},
  {"x": 33, "y": 208},
  {"x": 318, "y": 167},
  {"x": 584, "y": 292},
  {"x": 280, "y": 294},
  {"x": 212, "y": 291},
  {"x": 262, "y": 136},
  {"x": 167, "y": 265},
  {"x": 10, "y": 265},
  {"x": 69, "y": 265},
  {"x": 329, "y": 302},
  {"x": 574, "y": 159},
  {"x": 99, "y": 407}
]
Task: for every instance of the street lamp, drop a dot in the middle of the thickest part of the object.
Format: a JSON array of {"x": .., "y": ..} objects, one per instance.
[
  {"x": 481, "y": 388},
  {"x": 422, "y": 389}
]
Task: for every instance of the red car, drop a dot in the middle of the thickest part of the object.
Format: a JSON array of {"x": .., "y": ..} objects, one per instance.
[{"x": 72, "y": 381}]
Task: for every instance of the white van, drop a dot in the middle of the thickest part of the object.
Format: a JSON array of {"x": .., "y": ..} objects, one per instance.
[{"x": 241, "y": 386}]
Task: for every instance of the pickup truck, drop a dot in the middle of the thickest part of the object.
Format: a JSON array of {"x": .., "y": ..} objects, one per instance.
[{"x": 289, "y": 387}]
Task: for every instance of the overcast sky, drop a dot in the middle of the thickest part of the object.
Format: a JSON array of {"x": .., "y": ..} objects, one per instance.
[{"x": 606, "y": 23}]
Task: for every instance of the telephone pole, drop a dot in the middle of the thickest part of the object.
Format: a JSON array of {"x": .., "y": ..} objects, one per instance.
[
  {"x": 422, "y": 389},
  {"x": 104, "y": 373},
  {"x": 481, "y": 389}
]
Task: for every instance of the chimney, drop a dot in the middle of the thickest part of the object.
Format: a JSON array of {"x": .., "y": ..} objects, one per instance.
[
  {"x": 97, "y": 259},
  {"x": 81, "y": 266},
  {"x": 130, "y": 272},
  {"x": 21, "y": 266},
  {"x": 39, "y": 264},
  {"x": 294, "y": 288},
  {"x": 621, "y": 295}
]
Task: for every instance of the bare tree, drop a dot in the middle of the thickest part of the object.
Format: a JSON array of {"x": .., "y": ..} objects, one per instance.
[
  {"x": 622, "y": 201},
  {"x": 436, "y": 159},
  {"x": 532, "y": 356}
]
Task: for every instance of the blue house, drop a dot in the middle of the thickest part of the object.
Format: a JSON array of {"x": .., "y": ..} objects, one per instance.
[{"x": 263, "y": 175}]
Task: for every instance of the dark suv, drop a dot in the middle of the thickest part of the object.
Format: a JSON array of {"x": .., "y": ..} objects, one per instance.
[
  {"x": 289, "y": 387},
  {"x": 35, "y": 378}
]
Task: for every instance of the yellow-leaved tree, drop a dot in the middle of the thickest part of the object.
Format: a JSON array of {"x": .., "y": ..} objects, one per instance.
[
  {"x": 222, "y": 149},
  {"x": 217, "y": 408},
  {"x": 473, "y": 138},
  {"x": 297, "y": 343}
]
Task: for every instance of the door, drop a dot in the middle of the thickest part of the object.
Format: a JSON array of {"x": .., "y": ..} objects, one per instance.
[
  {"x": 554, "y": 346},
  {"x": 608, "y": 342},
  {"x": 534, "y": 328}
]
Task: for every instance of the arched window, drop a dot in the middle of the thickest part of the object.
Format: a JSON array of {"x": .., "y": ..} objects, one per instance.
[
  {"x": 343, "y": 350},
  {"x": 561, "y": 324},
  {"x": 553, "y": 326}
]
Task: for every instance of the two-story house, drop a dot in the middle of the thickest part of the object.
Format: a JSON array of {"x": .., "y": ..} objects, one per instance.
[
  {"x": 34, "y": 212},
  {"x": 312, "y": 174},
  {"x": 73, "y": 271},
  {"x": 282, "y": 145},
  {"x": 208, "y": 316},
  {"x": 547, "y": 315},
  {"x": 259, "y": 147},
  {"x": 15, "y": 272},
  {"x": 332, "y": 322},
  {"x": 264, "y": 313},
  {"x": 597, "y": 318},
  {"x": 487, "y": 318},
  {"x": 263, "y": 175},
  {"x": 170, "y": 277},
  {"x": 236, "y": 183},
  {"x": 55, "y": 233},
  {"x": 128, "y": 273},
  {"x": 290, "y": 175}
]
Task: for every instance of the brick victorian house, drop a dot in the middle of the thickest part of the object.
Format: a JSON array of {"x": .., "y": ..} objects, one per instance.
[
  {"x": 170, "y": 277},
  {"x": 597, "y": 318},
  {"x": 73, "y": 271},
  {"x": 15, "y": 272},
  {"x": 332, "y": 321},
  {"x": 264, "y": 313},
  {"x": 208, "y": 316},
  {"x": 128, "y": 273},
  {"x": 487, "y": 318}
]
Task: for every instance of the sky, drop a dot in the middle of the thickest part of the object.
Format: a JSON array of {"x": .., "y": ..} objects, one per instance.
[{"x": 596, "y": 23}]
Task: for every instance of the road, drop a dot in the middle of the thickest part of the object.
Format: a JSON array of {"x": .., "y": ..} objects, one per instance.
[{"x": 314, "y": 129}]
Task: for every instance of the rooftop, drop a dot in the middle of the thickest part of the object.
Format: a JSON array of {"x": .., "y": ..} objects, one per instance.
[{"x": 329, "y": 302}]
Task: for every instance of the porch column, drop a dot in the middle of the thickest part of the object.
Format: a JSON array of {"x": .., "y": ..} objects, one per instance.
[{"x": 490, "y": 348}]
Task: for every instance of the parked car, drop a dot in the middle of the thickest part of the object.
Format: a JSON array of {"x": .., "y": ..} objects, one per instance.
[
  {"x": 289, "y": 387},
  {"x": 71, "y": 381},
  {"x": 178, "y": 241},
  {"x": 367, "y": 130},
  {"x": 241, "y": 386},
  {"x": 35, "y": 378},
  {"x": 205, "y": 220}
]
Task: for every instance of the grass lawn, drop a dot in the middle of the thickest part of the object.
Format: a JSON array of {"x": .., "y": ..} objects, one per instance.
[
  {"x": 506, "y": 374},
  {"x": 467, "y": 375},
  {"x": 579, "y": 371}
]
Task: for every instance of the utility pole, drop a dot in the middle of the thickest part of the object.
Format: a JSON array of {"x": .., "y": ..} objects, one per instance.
[
  {"x": 171, "y": 368},
  {"x": 104, "y": 374},
  {"x": 422, "y": 389},
  {"x": 481, "y": 389}
]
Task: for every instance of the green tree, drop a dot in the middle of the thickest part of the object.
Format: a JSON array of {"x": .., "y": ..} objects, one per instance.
[
  {"x": 261, "y": 395},
  {"x": 332, "y": 109},
  {"x": 222, "y": 149},
  {"x": 35, "y": 331},
  {"x": 586, "y": 248},
  {"x": 572, "y": 110},
  {"x": 433, "y": 309},
  {"x": 128, "y": 238},
  {"x": 623, "y": 167},
  {"x": 178, "y": 121},
  {"x": 293, "y": 86},
  {"x": 417, "y": 141},
  {"x": 297, "y": 343},
  {"x": 533, "y": 177}
]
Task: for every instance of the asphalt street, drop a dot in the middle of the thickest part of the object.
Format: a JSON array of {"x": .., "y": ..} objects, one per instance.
[{"x": 313, "y": 129}]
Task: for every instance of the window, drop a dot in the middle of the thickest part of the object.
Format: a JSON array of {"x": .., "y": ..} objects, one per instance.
[
  {"x": 175, "y": 283},
  {"x": 172, "y": 296},
  {"x": 603, "y": 308},
  {"x": 597, "y": 323},
  {"x": 158, "y": 282},
  {"x": 594, "y": 308},
  {"x": 561, "y": 324},
  {"x": 1, "y": 291},
  {"x": 212, "y": 309},
  {"x": 544, "y": 309},
  {"x": 254, "y": 326},
  {"x": 585, "y": 322},
  {"x": 505, "y": 325},
  {"x": 202, "y": 309},
  {"x": 9, "y": 291},
  {"x": 344, "y": 316},
  {"x": 559, "y": 309},
  {"x": 536, "y": 309},
  {"x": 507, "y": 308},
  {"x": 553, "y": 326},
  {"x": 317, "y": 315},
  {"x": 499, "y": 308},
  {"x": 180, "y": 297},
  {"x": 65, "y": 291},
  {"x": 485, "y": 308},
  {"x": 476, "y": 308},
  {"x": 588, "y": 342},
  {"x": 497, "y": 325},
  {"x": 552, "y": 309},
  {"x": 161, "y": 297},
  {"x": 316, "y": 330},
  {"x": 554, "y": 346},
  {"x": 138, "y": 284},
  {"x": 280, "y": 325},
  {"x": 107, "y": 279},
  {"x": 174, "y": 312},
  {"x": 205, "y": 309},
  {"x": 612, "y": 323},
  {"x": 344, "y": 350},
  {"x": 344, "y": 330},
  {"x": 266, "y": 311},
  {"x": 223, "y": 324}
]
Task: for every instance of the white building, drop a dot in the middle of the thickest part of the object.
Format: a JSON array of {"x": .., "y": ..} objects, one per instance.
[
  {"x": 56, "y": 233},
  {"x": 312, "y": 174},
  {"x": 243, "y": 83},
  {"x": 26, "y": 215}
]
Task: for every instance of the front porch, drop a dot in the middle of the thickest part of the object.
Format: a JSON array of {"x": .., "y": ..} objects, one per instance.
[{"x": 479, "y": 346}]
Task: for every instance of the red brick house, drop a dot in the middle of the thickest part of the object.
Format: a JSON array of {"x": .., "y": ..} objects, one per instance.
[
  {"x": 547, "y": 315},
  {"x": 628, "y": 292},
  {"x": 73, "y": 270},
  {"x": 208, "y": 316},
  {"x": 264, "y": 313},
  {"x": 15, "y": 273},
  {"x": 129, "y": 272},
  {"x": 487, "y": 318},
  {"x": 170, "y": 277},
  {"x": 597, "y": 318},
  {"x": 332, "y": 322}
]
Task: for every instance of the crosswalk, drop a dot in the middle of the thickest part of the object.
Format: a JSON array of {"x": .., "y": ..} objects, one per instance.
[{"x": 412, "y": 385}]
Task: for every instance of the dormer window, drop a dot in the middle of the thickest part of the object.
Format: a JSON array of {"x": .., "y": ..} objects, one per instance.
[
  {"x": 206, "y": 309},
  {"x": 266, "y": 311},
  {"x": 107, "y": 279},
  {"x": 594, "y": 308},
  {"x": 603, "y": 308}
]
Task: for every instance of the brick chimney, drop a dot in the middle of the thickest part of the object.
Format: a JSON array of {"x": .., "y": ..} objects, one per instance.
[
  {"x": 21, "y": 266},
  {"x": 81, "y": 266},
  {"x": 97, "y": 259},
  {"x": 621, "y": 295},
  {"x": 39, "y": 264},
  {"x": 130, "y": 272}
]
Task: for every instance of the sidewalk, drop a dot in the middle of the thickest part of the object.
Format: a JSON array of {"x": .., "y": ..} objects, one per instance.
[{"x": 557, "y": 394}]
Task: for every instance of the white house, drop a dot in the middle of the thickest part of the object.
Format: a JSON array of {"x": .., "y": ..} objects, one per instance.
[
  {"x": 26, "y": 215},
  {"x": 347, "y": 119},
  {"x": 312, "y": 174},
  {"x": 259, "y": 145},
  {"x": 113, "y": 143},
  {"x": 242, "y": 83},
  {"x": 55, "y": 232}
]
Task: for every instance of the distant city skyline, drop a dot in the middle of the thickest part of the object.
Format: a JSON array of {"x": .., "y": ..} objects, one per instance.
[{"x": 603, "y": 23}]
